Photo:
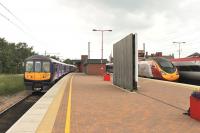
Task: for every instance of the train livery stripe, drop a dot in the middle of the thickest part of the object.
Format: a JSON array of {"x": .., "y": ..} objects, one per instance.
[
  {"x": 47, "y": 123},
  {"x": 37, "y": 76}
]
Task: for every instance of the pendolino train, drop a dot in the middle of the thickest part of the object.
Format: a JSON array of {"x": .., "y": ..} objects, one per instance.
[
  {"x": 158, "y": 68},
  {"x": 189, "y": 68},
  {"x": 42, "y": 71}
]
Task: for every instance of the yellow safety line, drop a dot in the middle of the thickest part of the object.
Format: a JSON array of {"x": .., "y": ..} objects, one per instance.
[
  {"x": 47, "y": 123},
  {"x": 67, "y": 124}
]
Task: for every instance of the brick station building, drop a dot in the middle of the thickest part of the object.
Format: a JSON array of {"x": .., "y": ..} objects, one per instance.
[
  {"x": 91, "y": 66},
  {"x": 95, "y": 66}
]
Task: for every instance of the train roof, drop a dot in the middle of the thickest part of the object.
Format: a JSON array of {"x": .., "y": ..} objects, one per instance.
[
  {"x": 156, "y": 59},
  {"x": 41, "y": 57},
  {"x": 45, "y": 58},
  {"x": 71, "y": 65},
  {"x": 185, "y": 59}
]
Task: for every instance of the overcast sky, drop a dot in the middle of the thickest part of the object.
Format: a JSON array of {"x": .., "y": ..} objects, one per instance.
[{"x": 64, "y": 27}]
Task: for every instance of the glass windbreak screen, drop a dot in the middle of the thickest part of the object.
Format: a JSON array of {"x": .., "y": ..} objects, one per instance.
[
  {"x": 37, "y": 66},
  {"x": 29, "y": 66},
  {"x": 46, "y": 67}
]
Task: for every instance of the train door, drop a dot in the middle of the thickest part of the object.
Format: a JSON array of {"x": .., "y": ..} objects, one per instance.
[
  {"x": 38, "y": 70},
  {"x": 55, "y": 71}
]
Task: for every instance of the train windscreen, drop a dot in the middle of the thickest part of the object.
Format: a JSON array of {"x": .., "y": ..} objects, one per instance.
[
  {"x": 46, "y": 66},
  {"x": 38, "y": 66},
  {"x": 29, "y": 66},
  {"x": 165, "y": 65}
]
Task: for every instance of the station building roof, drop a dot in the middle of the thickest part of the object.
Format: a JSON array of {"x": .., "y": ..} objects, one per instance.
[{"x": 96, "y": 61}]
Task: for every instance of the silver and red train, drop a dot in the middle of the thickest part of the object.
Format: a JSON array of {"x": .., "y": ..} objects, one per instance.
[
  {"x": 189, "y": 68},
  {"x": 158, "y": 68}
]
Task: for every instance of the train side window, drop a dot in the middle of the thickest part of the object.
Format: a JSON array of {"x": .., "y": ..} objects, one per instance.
[
  {"x": 195, "y": 68},
  {"x": 46, "y": 66},
  {"x": 38, "y": 66},
  {"x": 55, "y": 68},
  {"x": 29, "y": 66},
  {"x": 185, "y": 68},
  {"x": 64, "y": 68}
]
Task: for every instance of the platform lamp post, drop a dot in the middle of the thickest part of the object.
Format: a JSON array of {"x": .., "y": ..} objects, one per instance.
[
  {"x": 102, "y": 31},
  {"x": 179, "y": 47}
]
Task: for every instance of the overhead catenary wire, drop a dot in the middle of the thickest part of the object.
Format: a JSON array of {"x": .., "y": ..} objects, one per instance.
[
  {"x": 16, "y": 25},
  {"x": 20, "y": 25},
  {"x": 17, "y": 18},
  {"x": 8, "y": 10}
]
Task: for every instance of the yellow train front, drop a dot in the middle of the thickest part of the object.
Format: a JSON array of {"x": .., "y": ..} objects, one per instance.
[
  {"x": 42, "y": 72},
  {"x": 159, "y": 68}
]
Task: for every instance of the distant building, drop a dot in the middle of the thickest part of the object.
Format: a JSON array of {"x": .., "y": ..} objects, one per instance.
[
  {"x": 95, "y": 66},
  {"x": 78, "y": 64},
  {"x": 111, "y": 58},
  {"x": 159, "y": 54},
  {"x": 141, "y": 55},
  {"x": 91, "y": 66},
  {"x": 196, "y": 54}
]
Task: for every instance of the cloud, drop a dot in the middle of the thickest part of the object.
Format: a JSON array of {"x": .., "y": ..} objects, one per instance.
[
  {"x": 69, "y": 23},
  {"x": 157, "y": 22}
]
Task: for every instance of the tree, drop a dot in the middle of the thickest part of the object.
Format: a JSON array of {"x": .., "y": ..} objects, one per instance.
[
  {"x": 68, "y": 61},
  {"x": 13, "y": 55},
  {"x": 54, "y": 57}
]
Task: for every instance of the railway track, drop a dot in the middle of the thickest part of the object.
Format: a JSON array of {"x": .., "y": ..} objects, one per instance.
[{"x": 12, "y": 114}]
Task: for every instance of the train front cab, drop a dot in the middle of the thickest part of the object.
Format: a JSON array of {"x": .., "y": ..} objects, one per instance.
[
  {"x": 167, "y": 70},
  {"x": 37, "y": 74}
]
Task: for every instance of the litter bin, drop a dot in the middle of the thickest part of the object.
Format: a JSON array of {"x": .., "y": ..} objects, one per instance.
[
  {"x": 195, "y": 108},
  {"x": 107, "y": 77}
]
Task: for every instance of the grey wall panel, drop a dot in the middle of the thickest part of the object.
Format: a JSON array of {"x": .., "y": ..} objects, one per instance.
[{"x": 125, "y": 60}]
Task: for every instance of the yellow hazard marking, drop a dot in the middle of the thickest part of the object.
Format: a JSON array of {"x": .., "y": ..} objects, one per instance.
[
  {"x": 67, "y": 124},
  {"x": 47, "y": 122},
  {"x": 37, "y": 75}
]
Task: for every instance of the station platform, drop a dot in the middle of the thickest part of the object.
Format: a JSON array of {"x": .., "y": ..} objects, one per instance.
[{"x": 79, "y": 103}]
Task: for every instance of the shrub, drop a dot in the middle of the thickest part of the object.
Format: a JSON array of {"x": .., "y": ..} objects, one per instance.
[{"x": 10, "y": 84}]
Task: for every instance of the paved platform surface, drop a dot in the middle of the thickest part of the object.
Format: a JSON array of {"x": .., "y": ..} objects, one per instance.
[
  {"x": 87, "y": 104},
  {"x": 157, "y": 107}
]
